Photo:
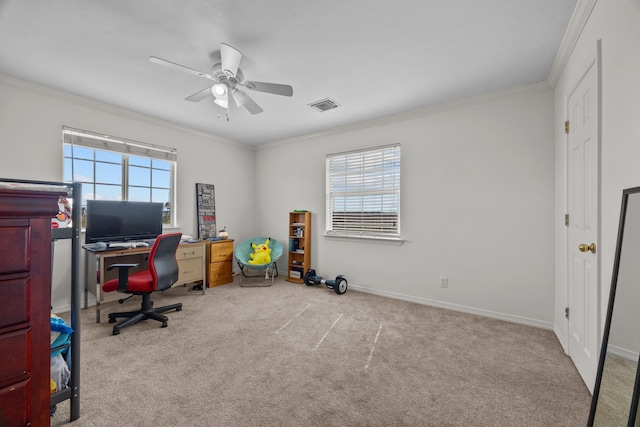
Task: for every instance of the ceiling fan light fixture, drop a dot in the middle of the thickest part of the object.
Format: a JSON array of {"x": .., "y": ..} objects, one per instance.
[
  {"x": 220, "y": 91},
  {"x": 224, "y": 103}
]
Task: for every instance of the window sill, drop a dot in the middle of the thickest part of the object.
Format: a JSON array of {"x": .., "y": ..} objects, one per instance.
[{"x": 367, "y": 239}]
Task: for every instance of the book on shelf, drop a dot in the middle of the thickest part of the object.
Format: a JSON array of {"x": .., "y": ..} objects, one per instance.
[{"x": 293, "y": 245}]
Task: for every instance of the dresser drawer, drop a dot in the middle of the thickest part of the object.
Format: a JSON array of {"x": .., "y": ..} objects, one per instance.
[
  {"x": 13, "y": 405},
  {"x": 16, "y": 367},
  {"x": 189, "y": 251},
  {"x": 219, "y": 273},
  {"x": 17, "y": 259},
  {"x": 16, "y": 291},
  {"x": 190, "y": 270},
  {"x": 221, "y": 251}
]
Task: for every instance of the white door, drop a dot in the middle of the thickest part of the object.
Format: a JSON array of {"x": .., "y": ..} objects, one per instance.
[{"x": 583, "y": 113}]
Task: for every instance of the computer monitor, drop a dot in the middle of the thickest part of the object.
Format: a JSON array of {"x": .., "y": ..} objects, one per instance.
[{"x": 118, "y": 221}]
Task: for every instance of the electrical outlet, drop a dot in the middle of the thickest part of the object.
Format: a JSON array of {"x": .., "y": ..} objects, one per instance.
[{"x": 444, "y": 282}]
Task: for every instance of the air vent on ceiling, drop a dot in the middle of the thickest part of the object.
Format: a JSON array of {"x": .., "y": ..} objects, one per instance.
[{"x": 324, "y": 105}]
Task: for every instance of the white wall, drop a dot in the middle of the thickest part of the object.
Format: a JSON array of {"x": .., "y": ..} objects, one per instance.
[
  {"x": 477, "y": 179},
  {"x": 616, "y": 24},
  {"x": 31, "y": 120},
  {"x": 477, "y": 206}
]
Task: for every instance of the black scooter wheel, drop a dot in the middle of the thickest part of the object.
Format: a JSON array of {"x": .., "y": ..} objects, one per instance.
[
  {"x": 341, "y": 285},
  {"x": 307, "y": 277}
]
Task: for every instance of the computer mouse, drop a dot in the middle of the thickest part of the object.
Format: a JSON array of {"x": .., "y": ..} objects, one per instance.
[{"x": 101, "y": 245}]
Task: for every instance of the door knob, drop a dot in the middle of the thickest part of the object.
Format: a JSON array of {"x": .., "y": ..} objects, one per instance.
[{"x": 584, "y": 247}]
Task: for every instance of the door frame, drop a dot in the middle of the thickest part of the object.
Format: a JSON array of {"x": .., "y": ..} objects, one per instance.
[{"x": 593, "y": 60}]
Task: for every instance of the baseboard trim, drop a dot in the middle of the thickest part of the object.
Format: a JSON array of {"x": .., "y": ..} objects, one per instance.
[
  {"x": 623, "y": 352},
  {"x": 456, "y": 307},
  {"x": 562, "y": 339},
  {"x": 61, "y": 309}
]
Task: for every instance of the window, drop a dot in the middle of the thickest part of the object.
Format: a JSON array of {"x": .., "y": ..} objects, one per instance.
[
  {"x": 112, "y": 168},
  {"x": 363, "y": 193}
]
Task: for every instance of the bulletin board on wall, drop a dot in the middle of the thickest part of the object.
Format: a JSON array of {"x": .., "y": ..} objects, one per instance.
[{"x": 206, "y": 210}]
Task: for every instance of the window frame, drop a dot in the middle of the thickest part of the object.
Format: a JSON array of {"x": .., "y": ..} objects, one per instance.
[
  {"x": 355, "y": 168},
  {"x": 125, "y": 148}
]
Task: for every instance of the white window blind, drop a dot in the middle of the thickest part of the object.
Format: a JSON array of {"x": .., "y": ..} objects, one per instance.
[
  {"x": 88, "y": 139},
  {"x": 363, "y": 193}
]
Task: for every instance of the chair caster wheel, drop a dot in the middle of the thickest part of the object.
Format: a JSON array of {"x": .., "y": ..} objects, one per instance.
[
  {"x": 179, "y": 309},
  {"x": 112, "y": 320},
  {"x": 116, "y": 332},
  {"x": 164, "y": 324}
]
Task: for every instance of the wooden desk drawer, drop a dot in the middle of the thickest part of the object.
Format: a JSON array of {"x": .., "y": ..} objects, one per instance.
[
  {"x": 221, "y": 251},
  {"x": 190, "y": 270},
  {"x": 189, "y": 251},
  {"x": 219, "y": 273}
]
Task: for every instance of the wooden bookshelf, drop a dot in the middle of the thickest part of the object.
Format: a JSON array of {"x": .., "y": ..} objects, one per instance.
[{"x": 299, "y": 246}]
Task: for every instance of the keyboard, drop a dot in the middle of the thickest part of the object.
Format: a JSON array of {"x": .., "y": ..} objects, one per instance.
[
  {"x": 127, "y": 245},
  {"x": 120, "y": 246}
]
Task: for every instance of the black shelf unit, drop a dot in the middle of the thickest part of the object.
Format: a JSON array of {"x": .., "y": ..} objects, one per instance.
[{"x": 71, "y": 393}]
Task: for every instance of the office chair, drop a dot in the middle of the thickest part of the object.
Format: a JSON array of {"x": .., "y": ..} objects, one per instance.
[{"x": 161, "y": 274}]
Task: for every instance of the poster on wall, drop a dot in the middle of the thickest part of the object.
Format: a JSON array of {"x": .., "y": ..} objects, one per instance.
[{"x": 206, "y": 211}]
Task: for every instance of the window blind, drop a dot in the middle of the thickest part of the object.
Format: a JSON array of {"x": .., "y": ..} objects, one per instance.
[
  {"x": 104, "y": 142},
  {"x": 363, "y": 193}
]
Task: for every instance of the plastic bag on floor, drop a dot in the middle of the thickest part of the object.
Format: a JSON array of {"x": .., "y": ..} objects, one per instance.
[{"x": 60, "y": 372}]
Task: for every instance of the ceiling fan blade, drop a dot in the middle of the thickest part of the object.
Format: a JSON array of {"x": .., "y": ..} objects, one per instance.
[
  {"x": 230, "y": 58},
  {"x": 275, "y": 88},
  {"x": 243, "y": 100},
  {"x": 199, "y": 96},
  {"x": 175, "y": 66},
  {"x": 240, "y": 97}
]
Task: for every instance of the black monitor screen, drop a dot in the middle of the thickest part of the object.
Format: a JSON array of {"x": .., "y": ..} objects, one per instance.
[{"x": 117, "y": 221}]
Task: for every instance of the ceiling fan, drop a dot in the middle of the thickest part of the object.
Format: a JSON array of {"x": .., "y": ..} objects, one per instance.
[{"x": 228, "y": 78}]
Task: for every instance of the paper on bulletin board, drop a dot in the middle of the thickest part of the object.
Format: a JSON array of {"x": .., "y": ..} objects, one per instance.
[{"x": 206, "y": 210}]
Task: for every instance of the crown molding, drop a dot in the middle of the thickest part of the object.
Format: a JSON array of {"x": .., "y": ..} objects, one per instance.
[{"x": 578, "y": 21}]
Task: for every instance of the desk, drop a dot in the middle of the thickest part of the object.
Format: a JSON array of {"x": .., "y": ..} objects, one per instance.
[{"x": 191, "y": 260}]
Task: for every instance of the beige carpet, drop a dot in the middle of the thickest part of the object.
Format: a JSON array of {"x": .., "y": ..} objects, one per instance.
[
  {"x": 292, "y": 355},
  {"x": 616, "y": 390}
]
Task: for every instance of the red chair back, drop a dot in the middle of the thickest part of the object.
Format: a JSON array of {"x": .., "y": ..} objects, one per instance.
[{"x": 163, "y": 265}]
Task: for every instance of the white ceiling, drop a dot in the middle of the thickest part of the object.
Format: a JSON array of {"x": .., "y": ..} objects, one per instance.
[{"x": 373, "y": 57}]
